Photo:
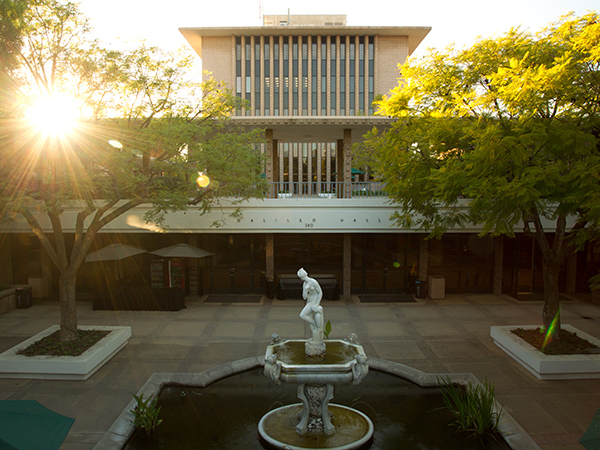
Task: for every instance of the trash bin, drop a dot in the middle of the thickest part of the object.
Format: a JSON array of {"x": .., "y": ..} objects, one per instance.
[
  {"x": 23, "y": 295},
  {"x": 437, "y": 287}
]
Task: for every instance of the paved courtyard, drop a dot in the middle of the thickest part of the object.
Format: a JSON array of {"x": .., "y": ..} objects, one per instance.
[{"x": 449, "y": 335}]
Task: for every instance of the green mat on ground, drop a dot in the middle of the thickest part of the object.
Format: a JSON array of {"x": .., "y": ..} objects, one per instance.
[{"x": 28, "y": 425}]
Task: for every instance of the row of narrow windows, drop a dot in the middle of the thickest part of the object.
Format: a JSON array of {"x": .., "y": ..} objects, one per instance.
[{"x": 305, "y": 75}]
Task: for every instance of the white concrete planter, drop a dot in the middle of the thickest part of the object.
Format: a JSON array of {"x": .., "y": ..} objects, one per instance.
[
  {"x": 326, "y": 195},
  {"x": 548, "y": 367},
  {"x": 63, "y": 367},
  {"x": 284, "y": 195}
]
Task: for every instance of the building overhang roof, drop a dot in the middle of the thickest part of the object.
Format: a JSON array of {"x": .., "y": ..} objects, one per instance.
[
  {"x": 415, "y": 35},
  {"x": 314, "y": 128}
]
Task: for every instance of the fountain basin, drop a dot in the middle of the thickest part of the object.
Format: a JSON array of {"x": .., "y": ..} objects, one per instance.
[
  {"x": 352, "y": 429},
  {"x": 343, "y": 363},
  {"x": 222, "y": 406}
]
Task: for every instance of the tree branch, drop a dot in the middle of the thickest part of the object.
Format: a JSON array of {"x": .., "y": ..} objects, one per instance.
[{"x": 37, "y": 230}]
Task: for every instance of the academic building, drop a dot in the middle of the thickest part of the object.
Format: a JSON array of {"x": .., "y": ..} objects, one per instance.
[{"x": 309, "y": 82}]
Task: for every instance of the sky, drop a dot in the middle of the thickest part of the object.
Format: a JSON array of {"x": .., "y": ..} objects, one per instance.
[{"x": 117, "y": 22}]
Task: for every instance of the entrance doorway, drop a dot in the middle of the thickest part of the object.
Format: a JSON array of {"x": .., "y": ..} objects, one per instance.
[
  {"x": 238, "y": 265},
  {"x": 384, "y": 263}
]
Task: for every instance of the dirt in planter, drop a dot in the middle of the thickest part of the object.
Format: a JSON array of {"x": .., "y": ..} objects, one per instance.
[
  {"x": 568, "y": 344},
  {"x": 52, "y": 346}
]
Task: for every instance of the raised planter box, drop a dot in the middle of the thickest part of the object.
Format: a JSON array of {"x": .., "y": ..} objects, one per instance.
[
  {"x": 63, "y": 367},
  {"x": 548, "y": 367}
]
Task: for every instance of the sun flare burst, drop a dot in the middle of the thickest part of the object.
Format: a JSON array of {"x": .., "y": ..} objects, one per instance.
[{"x": 55, "y": 115}]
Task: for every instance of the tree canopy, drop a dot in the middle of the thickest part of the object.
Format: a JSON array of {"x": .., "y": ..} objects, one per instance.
[
  {"x": 142, "y": 131},
  {"x": 502, "y": 134}
]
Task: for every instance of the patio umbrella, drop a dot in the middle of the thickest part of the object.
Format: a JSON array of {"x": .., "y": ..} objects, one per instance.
[
  {"x": 28, "y": 425},
  {"x": 181, "y": 251},
  {"x": 591, "y": 437},
  {"x": 114, "y": 252}
]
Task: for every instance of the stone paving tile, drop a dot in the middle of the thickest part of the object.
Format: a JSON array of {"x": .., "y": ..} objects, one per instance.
[
  {"x": 421, "y": 313},
  {"x": 450, "y": 335},
  {"x": 386, "y": 329},
  {"x": 532, "y": 415},
  {"x": 454, "y": 348},
  {"x": 246, "y": 312},
  {"x": 435, "y": 328},
  {"x": 183, "y": 328},
  {"x": 234, "y": 329},
  {"x": 375, "y": 312},
  {"x": 397, "y": 350},
  {"x": 465, "y": 313},
  {"x": 287, "y": 330}
]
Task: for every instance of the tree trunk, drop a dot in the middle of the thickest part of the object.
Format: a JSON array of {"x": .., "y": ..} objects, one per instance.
[
  {"x": 68, "y": 306},
  {"x": 551, "y": 298}
]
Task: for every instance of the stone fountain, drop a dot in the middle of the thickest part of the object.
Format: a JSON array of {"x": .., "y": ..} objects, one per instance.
[{"x": 316, "y": 366}]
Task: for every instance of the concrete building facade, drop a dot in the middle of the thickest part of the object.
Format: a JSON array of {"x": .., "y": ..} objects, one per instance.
[{"x": 309, "y": 82}]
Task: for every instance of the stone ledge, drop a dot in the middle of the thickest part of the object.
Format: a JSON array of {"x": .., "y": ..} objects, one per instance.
[
  {"x": 547, "y": 367},
  {"x": 63, "y": 367}
]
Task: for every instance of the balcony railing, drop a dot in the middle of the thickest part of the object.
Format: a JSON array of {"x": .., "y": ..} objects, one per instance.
[{"x": 323, "y": 189}]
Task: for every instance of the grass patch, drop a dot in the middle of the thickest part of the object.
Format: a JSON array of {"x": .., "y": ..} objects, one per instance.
[
  {"x": 52, "y": 346},
  {"x": 568, "y": 344}
]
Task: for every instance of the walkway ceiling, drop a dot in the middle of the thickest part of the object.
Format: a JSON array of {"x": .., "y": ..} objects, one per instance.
[{"x": 315, "y": 128}]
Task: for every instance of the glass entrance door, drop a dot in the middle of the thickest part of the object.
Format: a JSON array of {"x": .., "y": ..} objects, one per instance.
[
  {"x": 382, "y": 263},
  {"x": 238, "y": 265}
]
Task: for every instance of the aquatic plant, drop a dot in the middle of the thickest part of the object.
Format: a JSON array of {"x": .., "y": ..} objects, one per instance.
[
  {"x": 146, "y": 414},
  {"x": 473, "y": 406}
]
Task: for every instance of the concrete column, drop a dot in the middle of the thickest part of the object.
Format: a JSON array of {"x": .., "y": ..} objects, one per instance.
[
  {"x": 337, "y": 76},
  {"x": 339, "y": 169},
  {"x": 328, "y": 78},
  {"x": 290, "y": 76},
  {"x": 262, "y": 75},
  {"x": 423, "y": 257},
  {"x": 347, "y": 270},
  {"x": 272, "y": 169},
  {"x": 192, "y": 263},
  {"x": 6, "y": 274},
  {"x": 319, "y": 40},
  {"x": 347, "y": 163},
  {"x": 300, "y": 75},
  {"x": 270, "y": 256},
  {"x": 498, "y": 265},
  {"x": 252, "y": 77}
]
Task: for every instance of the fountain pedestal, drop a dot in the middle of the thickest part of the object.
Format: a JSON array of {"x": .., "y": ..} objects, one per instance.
[
  {"x": 315, "y": 408},
  {"x": 315, "y": 423}
]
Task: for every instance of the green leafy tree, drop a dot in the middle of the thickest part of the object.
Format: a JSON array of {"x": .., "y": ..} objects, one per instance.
[
  {"x": 503, "y": 134},
  {"x": 144, "y": 132}
]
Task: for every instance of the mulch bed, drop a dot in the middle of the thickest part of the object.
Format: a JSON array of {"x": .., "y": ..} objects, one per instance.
[
  {"x": 52, "y": 346},
  {"x": 568, "y": 344}
]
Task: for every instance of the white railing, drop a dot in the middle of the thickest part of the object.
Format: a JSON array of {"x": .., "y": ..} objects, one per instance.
[{"x": 326, "y": 189}]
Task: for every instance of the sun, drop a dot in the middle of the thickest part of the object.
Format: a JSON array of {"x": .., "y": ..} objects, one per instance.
[{"x": 55, "y": 115}]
